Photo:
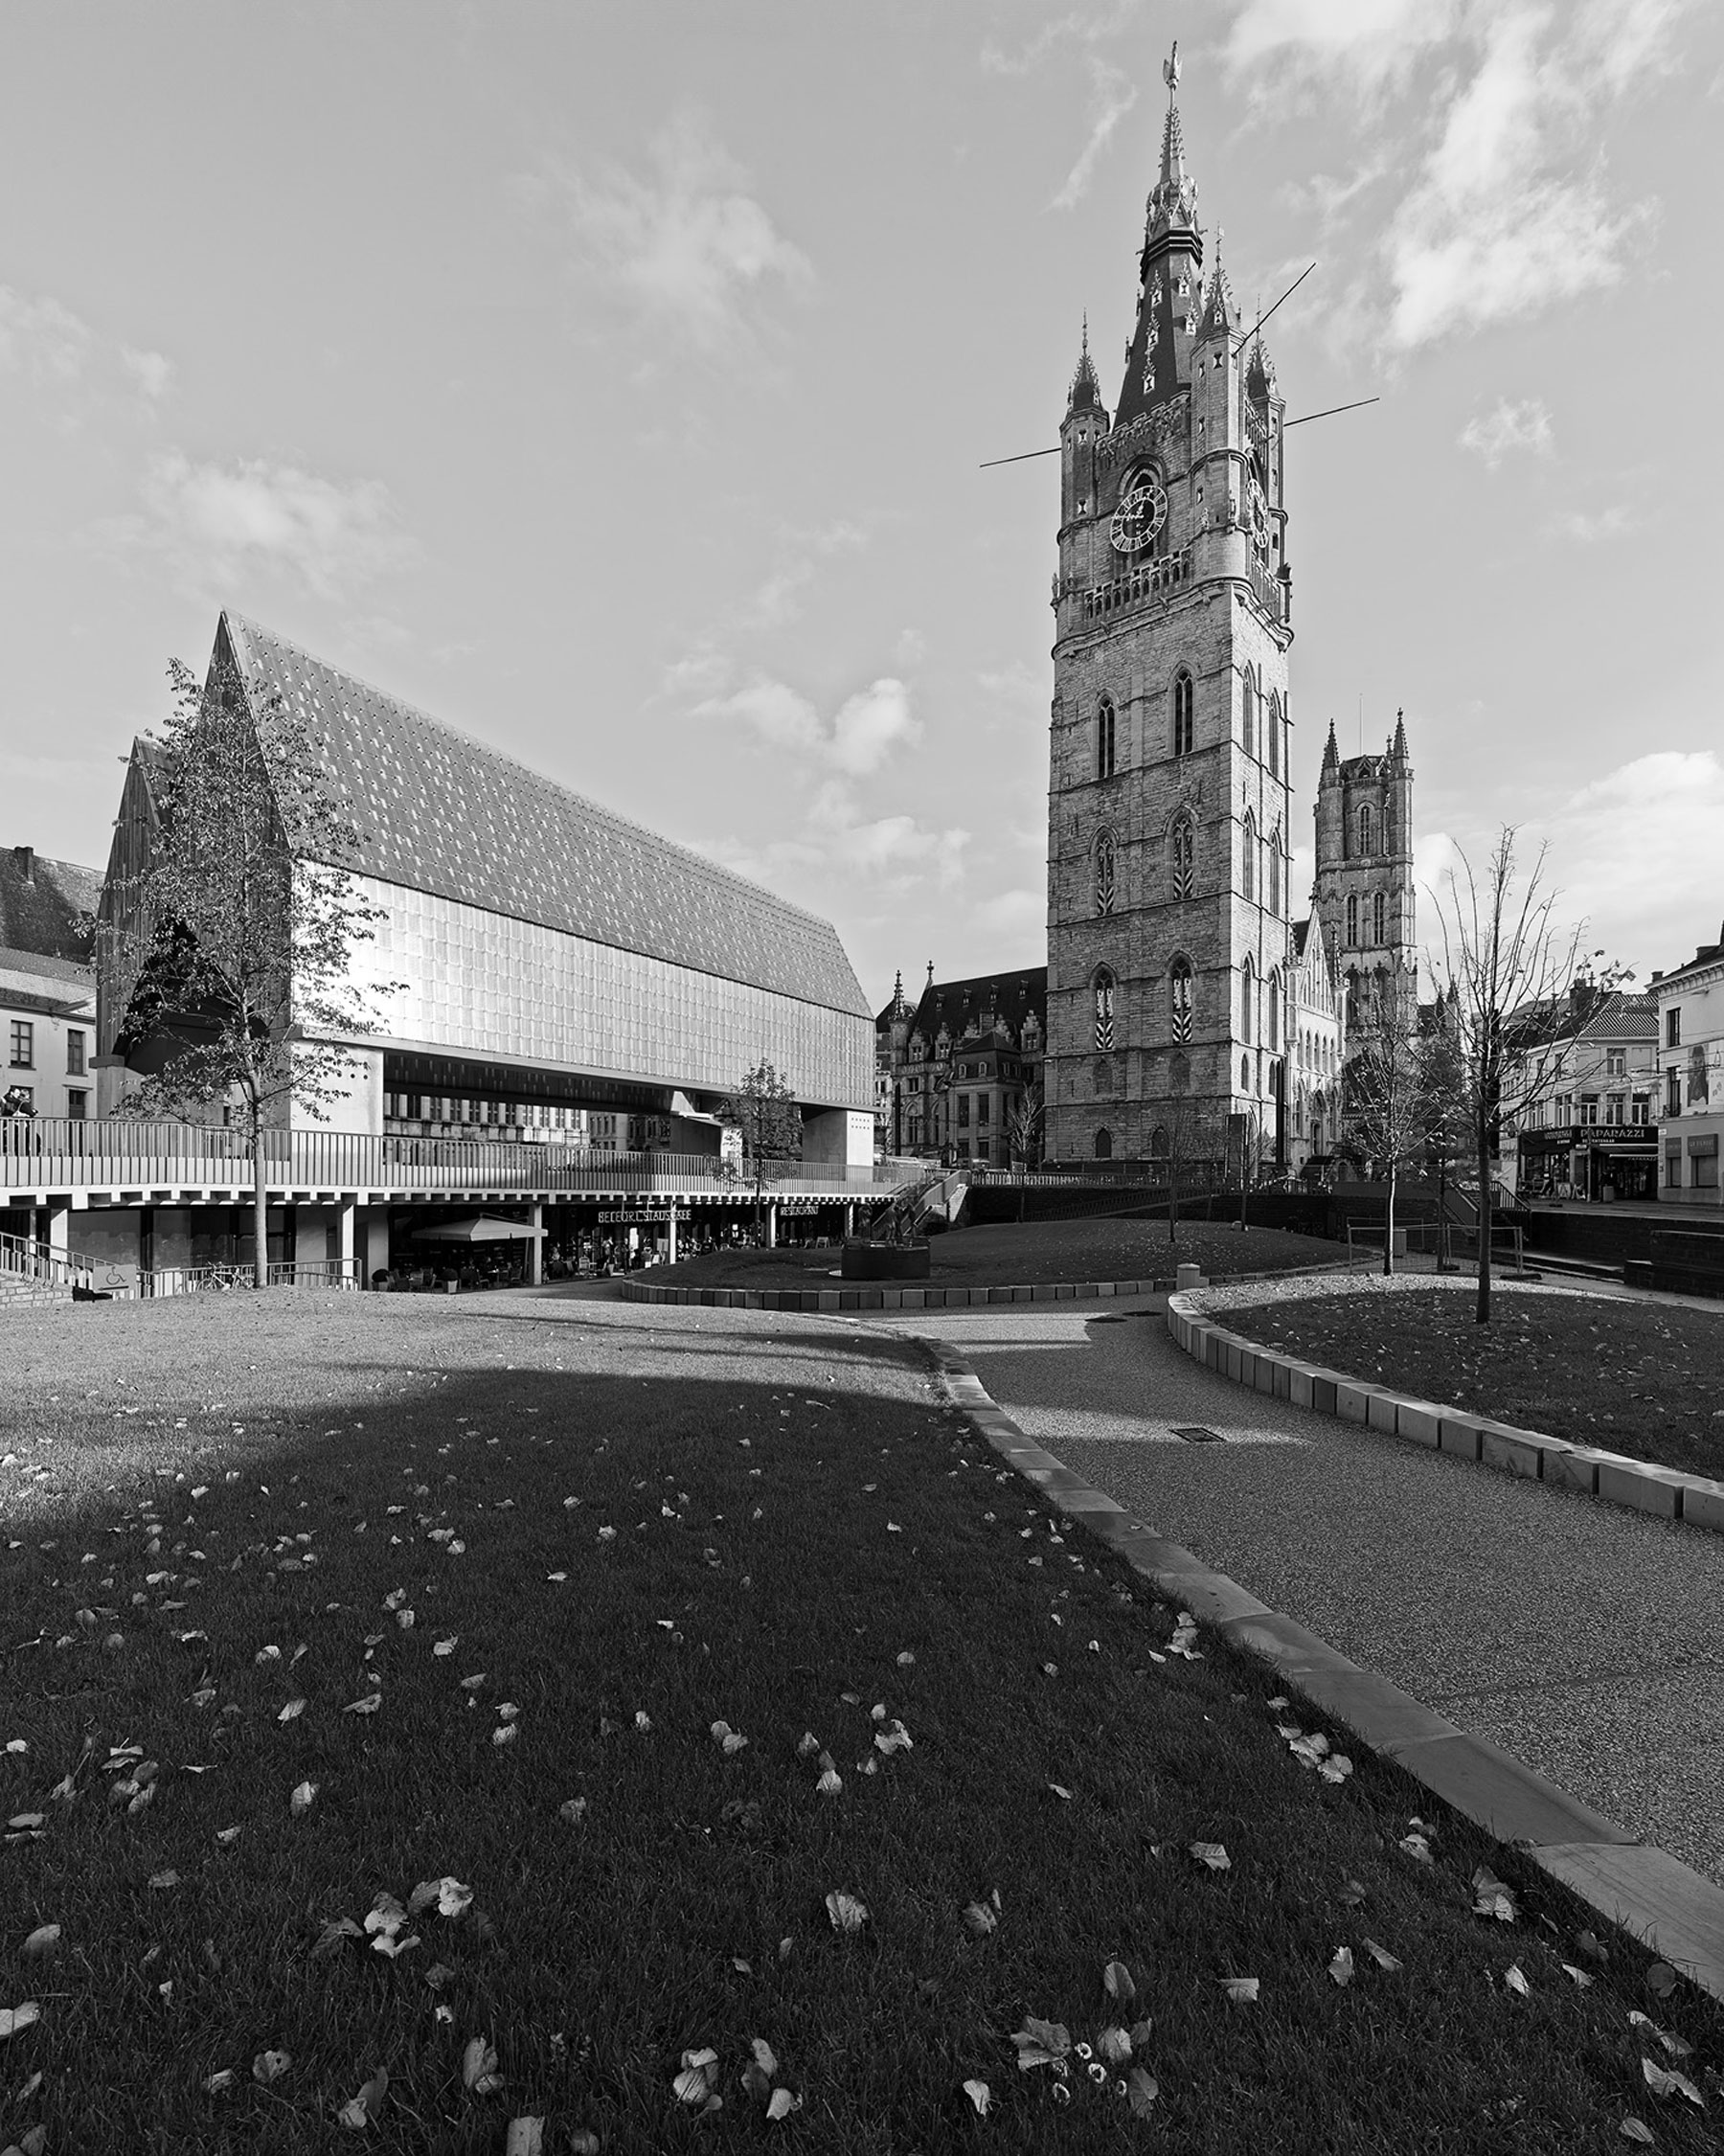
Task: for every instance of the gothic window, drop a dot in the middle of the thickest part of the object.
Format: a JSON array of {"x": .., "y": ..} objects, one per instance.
[
  {"x": 1246, "y": 999},
  {"x": 1158, "y": 1142},
  {"x": 1273, "y": 730},
  {"x": 1105, "y": 740},
  {"x": 1183, "y": 848},
  {"x": 1248, "y": 861},
  {"x": 1365, "y": 831},
  {"x": 1249, "y": 713},
  {"x": 1105, "y": 873},
  {"x": 1105, "y": 1144},
  {"x": 1275, "y": 879},
  {"x": 1353, "y": 918},
  {"x": 1273, "y": 1040},
  {"x": 1183, "y": 694},
  {"x": 1104, "y": 1011},
  {"x": 1179, "y": 988},
  {"x": 1377, "y": 915},
  {"x": 1244, "y": 1074}
]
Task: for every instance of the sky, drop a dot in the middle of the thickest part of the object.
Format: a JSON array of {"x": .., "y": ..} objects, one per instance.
[{"x": 613, "y": 384}]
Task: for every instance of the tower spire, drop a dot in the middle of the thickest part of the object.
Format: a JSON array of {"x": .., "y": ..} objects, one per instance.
[
  {"x": 1332, "y": 753},
  {"x": 1086, "y": 391},
  {"x": 1173, "y": 198}
]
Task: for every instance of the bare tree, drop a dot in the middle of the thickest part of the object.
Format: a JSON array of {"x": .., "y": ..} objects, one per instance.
[
  {"x": 1023, "y": 1133},
  {"x": 764, "y": 1110},
  {"x": 1385, "y": 1106},
  {"x": 1443, "y": 1075},
  {"x": 235, "y": 933},
  {"x": 1509, "y": 967},
  {"x": 1189, "y": 1134}
]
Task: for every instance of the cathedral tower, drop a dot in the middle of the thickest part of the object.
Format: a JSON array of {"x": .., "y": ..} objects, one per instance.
[
  {"x": 1365, "y": 892},
  {"x": 1168, "y": 813}
]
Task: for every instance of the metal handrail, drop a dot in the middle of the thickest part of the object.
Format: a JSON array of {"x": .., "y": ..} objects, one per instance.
[
  {"x": 22, "y": 1259},
  {"x": 203, "y": 1280},
  {"x": 63, "y": 1153}
]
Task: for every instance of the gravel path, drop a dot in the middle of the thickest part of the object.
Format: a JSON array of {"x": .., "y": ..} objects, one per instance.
[{"x": 1587, "y": 1639}]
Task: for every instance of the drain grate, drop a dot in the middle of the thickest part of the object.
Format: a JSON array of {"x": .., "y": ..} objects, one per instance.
[{"x": 1195, "y": 1434}]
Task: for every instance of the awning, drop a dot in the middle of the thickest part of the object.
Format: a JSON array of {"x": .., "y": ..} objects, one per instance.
[{"x": 481, "y": 1227}]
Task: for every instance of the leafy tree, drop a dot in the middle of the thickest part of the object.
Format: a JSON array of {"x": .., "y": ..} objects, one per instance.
[
  {"x": 238, "y": 929},
  {"x": 1385, "y": 1105},
  {"x": 764, "y": 1110},
  {"x": 1508, "y": 968}
]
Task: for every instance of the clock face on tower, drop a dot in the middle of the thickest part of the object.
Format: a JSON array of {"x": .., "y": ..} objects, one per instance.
[{"x": 1141, "y": 513}]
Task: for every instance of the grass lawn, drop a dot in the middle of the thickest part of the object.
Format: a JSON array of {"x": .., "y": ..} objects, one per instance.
[
  {"x": 1634, "y": 1377},
  {"x": 1038, "y": 1250},
  {"x": 517, "y": 1560}
]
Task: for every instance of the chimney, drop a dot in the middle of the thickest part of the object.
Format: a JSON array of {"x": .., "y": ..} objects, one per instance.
[
  {"x": 25, "y": 857},
  {"x": 1656, "y": 978}
]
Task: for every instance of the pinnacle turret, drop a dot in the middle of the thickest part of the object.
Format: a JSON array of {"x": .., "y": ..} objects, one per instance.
[
  {"x": 1220, "y": 315},
  {"x": 1397, "y": 748},
  {"x": 1172, "y": 204},
  {"x": 1085, "y": 394},
  {"x": 1332, "y": 753}
]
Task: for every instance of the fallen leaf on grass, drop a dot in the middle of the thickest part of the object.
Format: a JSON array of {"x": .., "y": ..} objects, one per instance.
[
  {"x": 1341, "y": 1969},
  {"x": 693, "y": 2084},
  {"x": 1241, "y": 1990},
  {"x": 220, "y": 2081},
  {"x": 43, "y": 1941},
  {"x": 14, "y": 2019},
  {"x": 980, "y": 2094},
  {"x": 478, "y": 2068},
  {"x": 165, "y": 1882},
  {"x": 303, "y": 1799},
  {"x": 1666, "y": 2082},
  {"x": 1039, "y": 2043},
  {"x": 369, "y": 1705},
  {"x": 506, "y": 1734},
  {"x": 358, "y": 2111},
  {"x": 1214, "y": 1854},
  {"x": 573, "y": 1809},
  {"x": 1381, "y": 1955},
  {"x": 292, "y": 1711},
  {"x": 1141, "y": 2092},
  {"x": 979, "y": 1919},
  {"x": 1117, "y": 1982},
  {"x": 448, "y": 1645},
  {"x": 1491, "y": 1898},
  {"x": 226, "y": 1836},
  {"x": 1418, "y": 1846},
  {"x": 332, "y": 1935},
  {"x": 1061, "y": 1791},
  {"x": 1661, "y": 1980},
  {"x": 526, "y": 2136},
  {"x": 729, "y": 1742},
  {"x": 270, "y": 2066},
  {"x": 847, "y": 1914},
  {"x": 1514, "y": 1979},
  {"x": 1580, "y": 1978},
  {"x": 1635, "y": 2130}
]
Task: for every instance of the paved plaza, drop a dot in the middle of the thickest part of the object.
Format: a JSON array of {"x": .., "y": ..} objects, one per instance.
[{"x": 1584, "y": 1637}]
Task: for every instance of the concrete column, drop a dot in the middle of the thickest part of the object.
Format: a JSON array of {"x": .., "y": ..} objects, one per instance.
[
  {"x": 59, "y": 1226},
  {"x": 376, "y": 1241},
  {"x": 772, "y": 1224},
  {"x": 346, "y": 1218},
  {"x": 850, "y": 1219},
  {"x": 673, "y": 1247},
  {"x": 535, "y": 1248}
]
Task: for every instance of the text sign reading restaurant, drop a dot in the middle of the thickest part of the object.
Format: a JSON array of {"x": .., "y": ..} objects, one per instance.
[{"x": 662, "y": 1216}]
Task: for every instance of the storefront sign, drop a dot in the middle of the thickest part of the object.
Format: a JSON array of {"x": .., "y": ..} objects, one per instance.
[{"x": 663, "y": 1219}]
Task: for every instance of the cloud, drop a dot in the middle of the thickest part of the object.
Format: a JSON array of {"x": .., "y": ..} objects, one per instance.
[
  {"x": 1526, "y": 425},
  {"x": 799, "y": 553},
  {"x": 150, "y": 370},
  {"x": 1375, "y": 42},
  {"x": 1508, "y": 210},
  {"x": 1588, "y": 526},
  {"x": 1022, "y": 912},
  {"x": 217, "y": 525},
  {"x": 911, "y": 647},
  {"x": 686, "y": 244},
  {"x": 1112, "y": 96},
  {"x": 1608, "y": 840},
  {"x": 867, "y": 728},
  {"x": 886, "y": 844},
  {"x": 41, "y": 339}
]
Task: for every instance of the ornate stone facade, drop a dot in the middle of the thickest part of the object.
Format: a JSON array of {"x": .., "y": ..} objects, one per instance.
[
  {"x": 1168, "y": 812},
  {"x": 1365, "y": 892}
]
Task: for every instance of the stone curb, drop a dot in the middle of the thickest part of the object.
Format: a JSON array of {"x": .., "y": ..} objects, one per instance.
[
  {"x": 1668, "y": 1493},
  {"x": 815, "y": 1301},
  {"x": 1642, "y": 1890}
]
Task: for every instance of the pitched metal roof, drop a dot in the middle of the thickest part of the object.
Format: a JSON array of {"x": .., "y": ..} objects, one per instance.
[
  {"x": 1008, "y": 998},
  {"x": 446, "y": 814},
  {"x": 46, "y": 906}
]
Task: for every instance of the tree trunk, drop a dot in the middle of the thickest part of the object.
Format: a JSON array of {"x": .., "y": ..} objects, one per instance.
[
  {"x": 259, "y": 1206},
  {"x": 1482, "y": 1314},
  {"x": 1389, "y": 1227},
  {"x": 1441, "y": 1207}
]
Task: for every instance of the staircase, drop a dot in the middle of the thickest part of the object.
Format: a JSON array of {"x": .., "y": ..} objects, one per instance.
[{"x": 29, "y": 1274}]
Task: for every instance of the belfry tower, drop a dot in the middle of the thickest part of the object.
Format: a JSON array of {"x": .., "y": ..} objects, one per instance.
[
  {"x": 1168, "y": 812},
  {"x": 1364, "y": 892}
]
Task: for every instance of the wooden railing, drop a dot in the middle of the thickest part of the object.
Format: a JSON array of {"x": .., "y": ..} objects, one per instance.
[{"x": 58, "y": 1153}]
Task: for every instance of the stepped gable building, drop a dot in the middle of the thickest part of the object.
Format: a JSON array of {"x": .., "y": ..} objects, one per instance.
[
  {"x": 47, "y": 984},
  {"x": 953, "y": 1070},
  {"x": 568, "y": 975},
  {"x": 1169, "y": 813},
  {"x": 1365, "y": 892}
]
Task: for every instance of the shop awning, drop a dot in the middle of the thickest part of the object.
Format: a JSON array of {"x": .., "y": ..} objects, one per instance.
[{"x": 480, "y": 1227}]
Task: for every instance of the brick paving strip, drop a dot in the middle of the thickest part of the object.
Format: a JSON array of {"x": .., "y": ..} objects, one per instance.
[
  {"x": 1668, "y": 1493},
  {"x": 1234, "y": 1500}
]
